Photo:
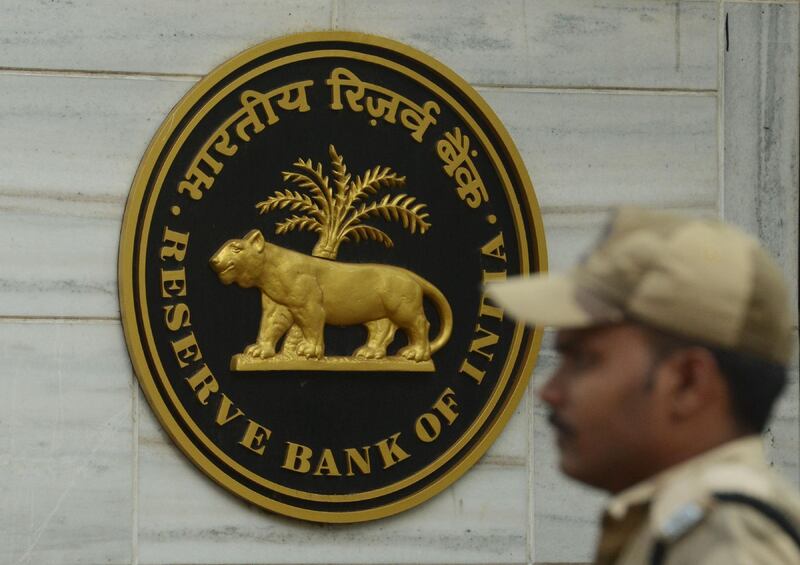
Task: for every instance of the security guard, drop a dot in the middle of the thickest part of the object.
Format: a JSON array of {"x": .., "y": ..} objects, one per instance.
[{"x": 674, "y": 337}]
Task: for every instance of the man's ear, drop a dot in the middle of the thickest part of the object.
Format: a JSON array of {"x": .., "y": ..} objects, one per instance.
[
  {"x": 256, "y": 239},
  {"x": 694, "y": 382}
]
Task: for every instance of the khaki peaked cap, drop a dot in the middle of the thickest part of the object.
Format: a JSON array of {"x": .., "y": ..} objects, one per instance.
[{"x": 695, "y": 278}]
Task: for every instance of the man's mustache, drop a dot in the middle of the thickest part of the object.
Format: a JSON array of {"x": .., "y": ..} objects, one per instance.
[{"x": 559, "y": 424}]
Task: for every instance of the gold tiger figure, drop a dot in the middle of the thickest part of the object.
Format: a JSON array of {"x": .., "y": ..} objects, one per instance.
[{"x": 300, "y": 294}]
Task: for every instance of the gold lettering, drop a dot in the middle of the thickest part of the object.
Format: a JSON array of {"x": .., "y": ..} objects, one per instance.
[
  {"x": 177, "y": 316},
  {"x": 489, "y": 310},
  {"x": 382, "y": 108},
  {"x": 361, "y": 461},
  {"x": 297, "y": 457},
  {"x": 419, "y": 119},
  {"x": 489, "y": 276},
  {"x": 470, "y": 186},
  {"x": 429, "y": 432},
  {"x": 186, "y": 350},
  {"x": 224, "y": 411},
  {"x": 300, "y": 103},
  {"x": 327, "y": 465},
  {"x": 479, "y": 343},
  {"x": 222, "y": 143},
  {"x": 390, "y": 451},
  {"x": 200, "y": 179},
  {"x": 247, "y": 118},
  {"x": 454, "y": 152},
  {"x": 205, "y": 157},
  {"x": 250, "y": 99},
  {"x": 444, "y": 405},
  {"x": 343, "y": 77},
  {"x": 472, "y": 371},
  {"x": 494, "y": 248},
  {"x": 173, "y": 283},
  {"x": 255, "y": 437},
  {"x": 428, "y": 427},
  {"x": 413, "y": 117},
  {"x": 178, "y": 242},
  {"x": 203, "y": 383}
]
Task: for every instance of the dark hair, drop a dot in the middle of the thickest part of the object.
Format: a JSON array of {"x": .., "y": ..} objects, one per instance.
[{"x": 754, "y": 383}]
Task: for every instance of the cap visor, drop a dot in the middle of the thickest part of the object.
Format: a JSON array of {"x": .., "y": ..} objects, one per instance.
[{"x": 551, "y": 300}]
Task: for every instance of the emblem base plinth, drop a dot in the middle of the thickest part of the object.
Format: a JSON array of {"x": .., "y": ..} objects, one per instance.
[{"x": 241, "y": 362}]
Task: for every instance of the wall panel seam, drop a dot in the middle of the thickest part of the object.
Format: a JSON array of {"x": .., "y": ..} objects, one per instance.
[
  {"x": 73, "y": 197},
  {"x": 135, "y": 470},
  {"x": 545, "y": 209},
  {"x": 562, "y": 89},
  {"x": 602, "y": 209},
  {"x": 722, "y": 44},
  {"x": 193, "y": 77},
  {"x": 531, "y": 542},
  {"x": 102, "y": 74},
  {"x": 37, "y": 319},
  {"x": 761, "y": 1},
  {"x": 334, "y": 14}
]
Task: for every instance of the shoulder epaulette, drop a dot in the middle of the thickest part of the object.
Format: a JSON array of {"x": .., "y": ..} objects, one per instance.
[{"x": 690, "y": 514}]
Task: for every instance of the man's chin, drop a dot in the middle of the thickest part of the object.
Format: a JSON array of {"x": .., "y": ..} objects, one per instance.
[
  {"x": 569, "y": 468},
  {"x": 578, "y": 471},
  {"x": 566, "y": 443},
  {"x": 574, "y": 466}
]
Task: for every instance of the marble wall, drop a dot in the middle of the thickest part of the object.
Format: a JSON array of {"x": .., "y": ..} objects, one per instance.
[{"x": 688, "y": 105}]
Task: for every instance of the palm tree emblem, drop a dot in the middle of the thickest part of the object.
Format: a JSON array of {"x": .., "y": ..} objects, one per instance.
[{"x": 337, "y": 213}]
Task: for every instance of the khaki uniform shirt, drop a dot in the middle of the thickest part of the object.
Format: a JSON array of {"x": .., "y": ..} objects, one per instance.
[{"x": 678, "y": 508}]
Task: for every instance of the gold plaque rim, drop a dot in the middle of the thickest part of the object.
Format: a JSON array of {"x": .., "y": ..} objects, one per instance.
[{"x": 136, "y": 347}]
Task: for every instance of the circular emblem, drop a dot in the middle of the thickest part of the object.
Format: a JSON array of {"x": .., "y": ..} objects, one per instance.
[{"x": 301, "y": 269}]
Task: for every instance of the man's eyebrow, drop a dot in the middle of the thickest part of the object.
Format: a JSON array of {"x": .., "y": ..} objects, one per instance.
[{"x": 566, "y": 344}]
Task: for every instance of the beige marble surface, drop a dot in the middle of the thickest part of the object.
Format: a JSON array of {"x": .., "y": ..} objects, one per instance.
[
  {"x": 482, "y": 518},
  {"x": 542, "y": 42},
  {"x": 760, "y": 155},
  {"x": 79, "y": 139},
  {"x": 66, "y": 444},
  {"x": 147, "y": 36},
  {"x": 560, "y": 43},
  {"x": 598, "y": 150},
  {"x": 762, "y": 119}
]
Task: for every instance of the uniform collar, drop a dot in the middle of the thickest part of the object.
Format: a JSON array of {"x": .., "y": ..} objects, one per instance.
[{"x": 712, "y": 470}]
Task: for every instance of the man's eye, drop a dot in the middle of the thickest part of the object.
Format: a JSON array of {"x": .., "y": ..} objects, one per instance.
[{"x": 580, "y": 360}]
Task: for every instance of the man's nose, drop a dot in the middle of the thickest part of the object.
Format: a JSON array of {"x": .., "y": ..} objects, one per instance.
[{"x": 551, "y": 392}]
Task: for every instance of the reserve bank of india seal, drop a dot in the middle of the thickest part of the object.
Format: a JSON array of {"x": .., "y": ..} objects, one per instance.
[{"x": 301, "y": 270}]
